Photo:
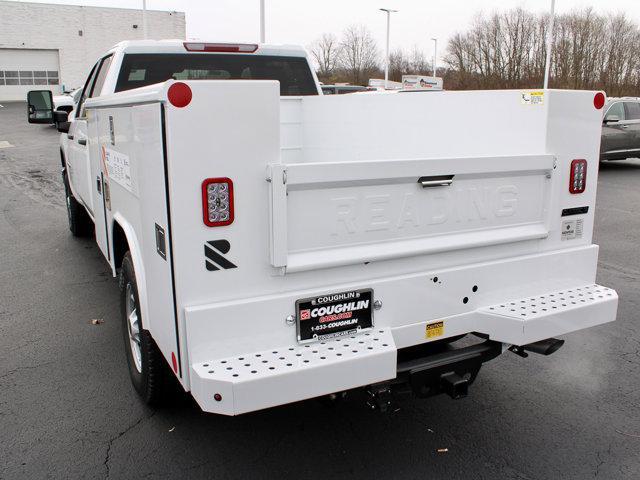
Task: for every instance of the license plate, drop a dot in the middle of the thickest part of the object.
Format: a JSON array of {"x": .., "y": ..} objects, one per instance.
[{"x": 334, "y": 315}]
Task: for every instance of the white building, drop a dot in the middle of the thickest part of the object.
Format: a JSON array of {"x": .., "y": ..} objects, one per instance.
[{"x": 54, "y": 46}]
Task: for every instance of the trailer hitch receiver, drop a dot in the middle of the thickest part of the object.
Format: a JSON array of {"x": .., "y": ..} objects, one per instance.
[
  {"x": 450, "y": 370},
  {"x": 454, "y": 385}
]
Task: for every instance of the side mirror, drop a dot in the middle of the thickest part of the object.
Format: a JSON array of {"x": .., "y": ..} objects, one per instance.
[
  {"x": 61, "y": 119},
  {"x": 40, "y": 106},
  {"x": 611, "y": 119}
]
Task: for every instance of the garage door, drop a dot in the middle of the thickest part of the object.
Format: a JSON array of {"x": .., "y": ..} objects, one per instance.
[{"x": 22, "y": 70}]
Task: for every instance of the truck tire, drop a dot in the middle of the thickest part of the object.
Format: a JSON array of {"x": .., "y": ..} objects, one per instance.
[
  {"x": 79, "y": 222},
  {"x": 148, "y": 369}
]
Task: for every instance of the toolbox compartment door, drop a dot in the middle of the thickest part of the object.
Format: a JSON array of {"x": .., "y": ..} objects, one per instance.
[{"x": 343, "y": 213}]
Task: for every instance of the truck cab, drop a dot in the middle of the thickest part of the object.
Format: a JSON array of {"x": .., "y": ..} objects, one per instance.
[{"x": 134, "y": 64}]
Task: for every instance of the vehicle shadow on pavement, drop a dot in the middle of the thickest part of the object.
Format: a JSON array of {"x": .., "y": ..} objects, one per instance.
[{"x": 319, "y": 441}]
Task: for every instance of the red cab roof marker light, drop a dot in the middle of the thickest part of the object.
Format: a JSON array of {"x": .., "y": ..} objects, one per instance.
[{"x": 220, "y": 47}]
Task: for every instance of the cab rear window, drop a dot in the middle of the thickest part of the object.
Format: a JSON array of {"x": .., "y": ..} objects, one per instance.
[{"x": 140, "y": 70}]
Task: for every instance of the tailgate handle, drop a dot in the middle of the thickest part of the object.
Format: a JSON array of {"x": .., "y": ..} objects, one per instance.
[{"x": 436, "y": 181}]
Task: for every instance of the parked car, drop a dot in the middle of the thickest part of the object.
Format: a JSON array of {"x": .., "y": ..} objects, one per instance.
[{"x": 621, "y": 129}]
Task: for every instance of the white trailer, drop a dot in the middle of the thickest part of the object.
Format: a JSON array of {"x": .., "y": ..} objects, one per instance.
[{"x": 277, "y": 248}]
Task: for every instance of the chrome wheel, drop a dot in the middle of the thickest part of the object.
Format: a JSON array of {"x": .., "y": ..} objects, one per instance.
[{"x": 133, "y": 326}]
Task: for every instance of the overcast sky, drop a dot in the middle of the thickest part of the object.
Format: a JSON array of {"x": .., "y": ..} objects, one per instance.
[{"x": 301, "y": 21}]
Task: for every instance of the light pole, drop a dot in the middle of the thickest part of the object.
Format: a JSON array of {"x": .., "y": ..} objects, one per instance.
[
  {"x": 386, "y": 61},
  {"x": 145, "y": 32},
  {"x": 262, "y": 28},
  {"x": 435, "y": 55},
  {"x": 547, "y": 67}
]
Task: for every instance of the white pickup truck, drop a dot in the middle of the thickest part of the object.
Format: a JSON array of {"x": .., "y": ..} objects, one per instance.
[{"x": 274, "y": 244}]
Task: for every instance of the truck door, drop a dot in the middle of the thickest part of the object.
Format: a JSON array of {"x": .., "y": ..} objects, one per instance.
[
  {"x": 95, "y": 176},
  {"x": 632, "y": 110},
  {"x": 77, "y": 151},
  {"x": 615, "y": 133}
]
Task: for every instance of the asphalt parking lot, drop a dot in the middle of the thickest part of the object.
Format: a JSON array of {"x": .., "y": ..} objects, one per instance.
[{"x": 67, "y": 409}]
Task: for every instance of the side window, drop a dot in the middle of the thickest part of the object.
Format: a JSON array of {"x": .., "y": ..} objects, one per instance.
[
  {"x": 632, "y": 110},
  {"x": 616, "y": 110},
  {"x": 101, "y": 76},
  {"x": 85, "y": 91},
  {"x": 94, "y": 85}
]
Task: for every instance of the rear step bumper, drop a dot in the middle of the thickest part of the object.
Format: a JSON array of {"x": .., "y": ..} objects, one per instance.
[
  {"x": 526, "y": 320},
  {"x": 257, "y": 380}
]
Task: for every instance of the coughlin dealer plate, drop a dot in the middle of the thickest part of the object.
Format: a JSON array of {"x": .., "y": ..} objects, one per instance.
[{"x": 334, "y": 315}]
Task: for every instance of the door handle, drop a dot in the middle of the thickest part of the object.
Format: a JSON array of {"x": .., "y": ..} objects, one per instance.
[
  {"x": 624, "y": 126},
  {"x": 69, "y": 136},
  {"x": 436, "y": 181},
  {"x": 82, "y": 141}
]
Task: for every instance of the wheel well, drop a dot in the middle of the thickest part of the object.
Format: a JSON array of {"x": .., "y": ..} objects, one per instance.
[
  {"x": 120, "y": 244},
  {"x": 64, "y": 165}
]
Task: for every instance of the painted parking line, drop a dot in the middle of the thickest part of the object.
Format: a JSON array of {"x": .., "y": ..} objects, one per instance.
[{"x": 5, "y": 144}]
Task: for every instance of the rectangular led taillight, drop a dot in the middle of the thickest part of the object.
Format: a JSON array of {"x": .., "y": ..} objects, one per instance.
[
  {"x": 217, "y": 202},
  {"x": 578, "y": 179}
]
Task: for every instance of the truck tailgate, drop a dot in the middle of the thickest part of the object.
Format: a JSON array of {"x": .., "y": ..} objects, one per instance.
[{"x": 339, "y": 213}]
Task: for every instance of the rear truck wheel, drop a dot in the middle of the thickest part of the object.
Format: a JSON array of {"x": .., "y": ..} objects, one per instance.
[
  {"x": 79, "y": 222},
  {"x": 149, "y": 371}
]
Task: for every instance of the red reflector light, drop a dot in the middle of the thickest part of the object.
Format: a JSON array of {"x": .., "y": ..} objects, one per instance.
[
  {"x": 217, "y": 202},
  {"x": 599, "y": 100},
  {"x": 578, "y": 180},
  {"x": 174, "y": 362},
  {"x": 221, "y": 47},
  {"x": 179, "y": 94}
]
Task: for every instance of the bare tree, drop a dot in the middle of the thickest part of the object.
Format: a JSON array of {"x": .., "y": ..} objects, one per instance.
[
  {"x": 399, "y": 65},
  {"x": 358, "y": 53},
  {"x": 325, "y": 51},
  {"x": 507, "y": 50},
  {"x": 418, "y": 63}
]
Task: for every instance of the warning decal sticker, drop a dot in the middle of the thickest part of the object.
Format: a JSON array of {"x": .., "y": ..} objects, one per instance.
[
  {"x": 572, "y": 229},
  {"x": 532, "y": 98},
  {"x": 118, "y": 168},
  {"x": 434, "y": 330}
]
